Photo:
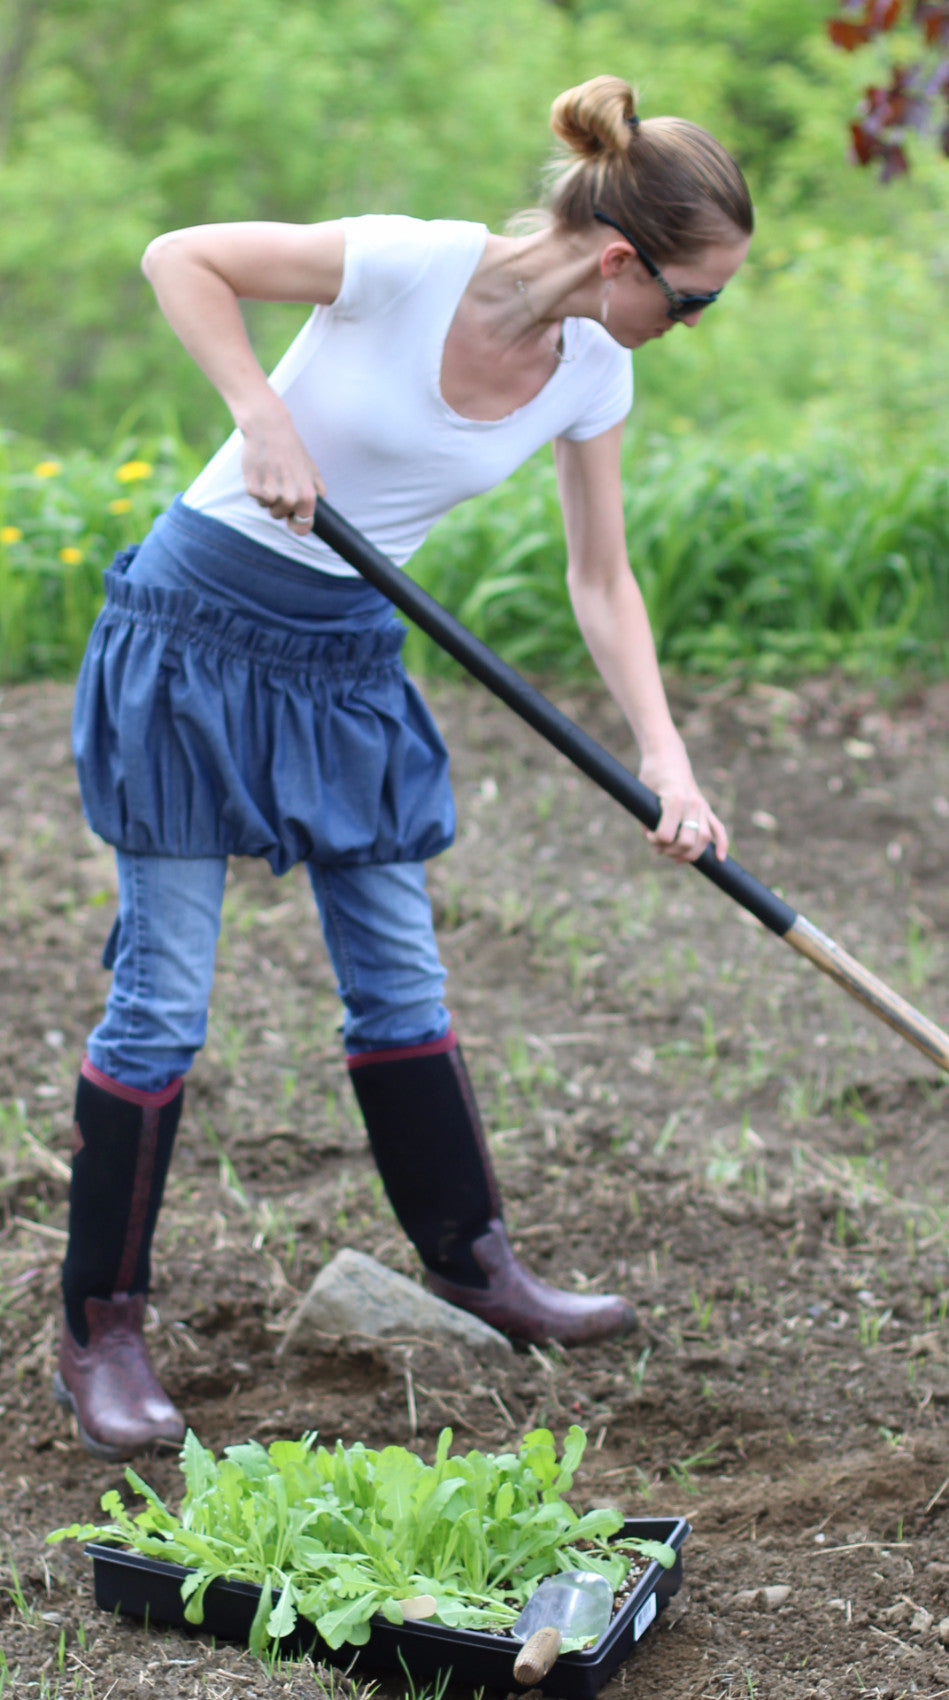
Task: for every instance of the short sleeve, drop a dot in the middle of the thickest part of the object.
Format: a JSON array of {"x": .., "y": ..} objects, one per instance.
[
  {"x": 608, "y": 383},
  {"x": 386, "y": 256}
]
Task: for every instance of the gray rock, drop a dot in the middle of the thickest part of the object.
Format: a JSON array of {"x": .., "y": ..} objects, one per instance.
[
  {"x": 354, "y": 1296},
  {"x": 775, "y": 1597},
  {"x": 762, "y": 1599}
]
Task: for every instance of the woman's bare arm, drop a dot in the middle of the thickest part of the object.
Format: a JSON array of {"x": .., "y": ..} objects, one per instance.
[
  {"x": 200, "y": 275},
  {"x": 612, "y": 616}
]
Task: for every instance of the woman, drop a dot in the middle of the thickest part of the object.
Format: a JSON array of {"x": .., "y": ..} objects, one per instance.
[{"x": 242, "y": 692}]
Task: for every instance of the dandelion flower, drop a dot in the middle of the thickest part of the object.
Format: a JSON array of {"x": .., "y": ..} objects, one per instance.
[
  {"x": 10, "y": 534},
  {"x": 70, "y": 556},
  {"x": 133, "y": 470},
  {"x": 48, "y": 468},
  {"x": 121, "y": 505}
]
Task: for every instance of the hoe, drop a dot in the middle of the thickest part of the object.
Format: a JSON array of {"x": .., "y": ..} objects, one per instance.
[{"x": 596, "y": 762}]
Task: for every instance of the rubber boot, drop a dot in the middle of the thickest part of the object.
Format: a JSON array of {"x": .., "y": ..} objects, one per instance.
[
  {"x": 122, "y": 1145},
  {"x": 430, "y": 1149}
]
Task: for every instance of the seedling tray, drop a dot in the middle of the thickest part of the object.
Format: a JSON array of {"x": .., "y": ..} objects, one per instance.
[{"x": 149, "y": 1588}]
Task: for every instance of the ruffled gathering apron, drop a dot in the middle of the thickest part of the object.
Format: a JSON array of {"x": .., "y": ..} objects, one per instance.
[{"x": 235, "y": 702}]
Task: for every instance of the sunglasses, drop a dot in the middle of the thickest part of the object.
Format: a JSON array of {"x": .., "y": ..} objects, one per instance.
[{"x": 679, "y": 305}]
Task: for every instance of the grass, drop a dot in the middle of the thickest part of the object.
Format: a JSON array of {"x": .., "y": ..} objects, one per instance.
[
  {"x": 14, "y": 1591},
  {"x": 759, "y": 564},
  {"x": 762, "y": 564}
]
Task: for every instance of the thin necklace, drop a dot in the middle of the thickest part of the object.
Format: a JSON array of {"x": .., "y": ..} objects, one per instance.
[{"x": 556, "y": 348}]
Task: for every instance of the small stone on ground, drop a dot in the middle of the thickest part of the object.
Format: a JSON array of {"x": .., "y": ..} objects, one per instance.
[{"x": 355, "y": 1295}]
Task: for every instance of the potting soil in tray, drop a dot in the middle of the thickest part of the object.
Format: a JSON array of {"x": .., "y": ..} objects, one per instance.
[{"x": 150, "y": 1588}]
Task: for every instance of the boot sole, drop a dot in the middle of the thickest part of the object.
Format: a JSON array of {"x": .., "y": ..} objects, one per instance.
[{"x": 101, "y": 1448}]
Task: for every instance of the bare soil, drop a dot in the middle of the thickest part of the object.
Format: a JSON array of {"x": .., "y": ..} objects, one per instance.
[{"x": 681, "y": 1109}]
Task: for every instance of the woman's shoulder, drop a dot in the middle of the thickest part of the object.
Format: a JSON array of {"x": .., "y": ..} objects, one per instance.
[
  {"x": 600, "y": 379},
  {"x": 388, "y": 254}
]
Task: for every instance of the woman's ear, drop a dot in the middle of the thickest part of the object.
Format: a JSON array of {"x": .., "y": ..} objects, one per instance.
[
  {"x": 618, "y": 257},
  {"x": 613, "y": 258}
]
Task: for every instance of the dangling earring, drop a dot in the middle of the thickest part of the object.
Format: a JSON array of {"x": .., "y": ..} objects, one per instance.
[{"x": 605, "y": 303}]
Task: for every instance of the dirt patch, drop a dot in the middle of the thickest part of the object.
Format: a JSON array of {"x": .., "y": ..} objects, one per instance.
[{"x": 681, "y": 1109}]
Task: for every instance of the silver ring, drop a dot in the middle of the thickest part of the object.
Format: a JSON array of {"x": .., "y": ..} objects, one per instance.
[
  {"x": 303, "y": 519},
  {"x": 694, "y": 824}
]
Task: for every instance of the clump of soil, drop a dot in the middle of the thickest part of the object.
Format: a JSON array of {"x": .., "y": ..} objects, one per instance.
[{"x": 681, "y": 1109}]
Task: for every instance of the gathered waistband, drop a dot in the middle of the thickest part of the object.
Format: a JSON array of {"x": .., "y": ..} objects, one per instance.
[
  {"x": 331, "y": 649},
  {"x": 188, "y": 551}
]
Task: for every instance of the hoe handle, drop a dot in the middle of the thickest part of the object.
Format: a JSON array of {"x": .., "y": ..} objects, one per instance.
[
  {"x": 872, "y": 992},
  {"x": 615, "y": 779}
]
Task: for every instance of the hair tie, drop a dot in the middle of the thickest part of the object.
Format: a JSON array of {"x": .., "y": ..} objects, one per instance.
[{"x": 633, "y": 120}]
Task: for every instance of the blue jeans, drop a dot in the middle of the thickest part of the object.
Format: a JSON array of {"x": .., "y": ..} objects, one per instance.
[{"x": 377, "y": 926}]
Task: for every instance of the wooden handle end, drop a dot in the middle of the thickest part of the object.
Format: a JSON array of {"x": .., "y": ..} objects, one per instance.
[{"x": 536, "y": 1656}]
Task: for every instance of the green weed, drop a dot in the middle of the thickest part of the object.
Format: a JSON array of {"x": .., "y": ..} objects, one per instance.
[
  {"x": 638, "y": 1376},
  {"x": 646, "y": 1482},
  {"x": 435, "y": 1692},
  {"x": 14, "y": 1591},
  {"x": 739, "y": 1164},
  {"x": 529, "y": 1069},
  {"x": 230, "y": 1041},
  {"x": 703, "y": 1310},
  {"x": 682, "y": 1469},
  {"x": 227, "y": 1174},
  {"x": 709, "y": 1040},
  {"x": 667, "y": 1134},
  {"x": 514, "y": 910},
  {"x": 870, "y": 1325},
  {"x": 802, "y": 1100},
  {"x": 847, "y": 1230}
]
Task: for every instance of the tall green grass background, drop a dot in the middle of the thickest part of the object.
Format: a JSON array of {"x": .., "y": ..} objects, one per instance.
[{"x": 755, "y": 561}]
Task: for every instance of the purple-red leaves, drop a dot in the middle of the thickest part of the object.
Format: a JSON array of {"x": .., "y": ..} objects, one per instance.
[
  {"x": 909, "y": 100},
  {"x": 864, "y": 20}
]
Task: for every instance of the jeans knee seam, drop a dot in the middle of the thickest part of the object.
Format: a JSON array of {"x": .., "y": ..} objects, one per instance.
[
  {"x": 140, "y": 970},
  {"x": 349, "y": 990}
]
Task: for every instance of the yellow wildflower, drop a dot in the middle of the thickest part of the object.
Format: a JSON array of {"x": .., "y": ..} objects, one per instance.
[
  {"x": 70, "y": 556},
  {"x": 121, "y": 505},
  {"x": 133, "y": 470},
  {"x": 48, "y": 468},
  {"x": 10, "y": 534}
]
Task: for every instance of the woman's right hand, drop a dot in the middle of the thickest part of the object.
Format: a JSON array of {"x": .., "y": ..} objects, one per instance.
[{"x": 278, "y": 471}]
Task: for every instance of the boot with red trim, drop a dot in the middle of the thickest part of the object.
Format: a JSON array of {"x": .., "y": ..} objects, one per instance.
[
  {"x": 122, "y": 1145},
  {"x": 429, "y": 1145}
]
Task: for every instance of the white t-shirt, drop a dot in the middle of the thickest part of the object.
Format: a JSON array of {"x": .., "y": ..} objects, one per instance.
[{"x": 362, "y": 382}]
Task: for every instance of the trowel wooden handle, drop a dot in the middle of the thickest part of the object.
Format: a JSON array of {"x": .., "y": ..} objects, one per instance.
[{"x": 536, "y": 1656}]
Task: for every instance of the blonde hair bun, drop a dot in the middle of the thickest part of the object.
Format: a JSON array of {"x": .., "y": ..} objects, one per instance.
[
  {"x": 596, "y": 117},
  {"x": 665, "y": 179}
]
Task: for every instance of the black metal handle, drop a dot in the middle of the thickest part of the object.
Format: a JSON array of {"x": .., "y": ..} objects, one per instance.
[{"x": 536, "y": 709}]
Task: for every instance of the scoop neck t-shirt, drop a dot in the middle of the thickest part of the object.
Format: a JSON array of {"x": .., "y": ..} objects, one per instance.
[{"x": 362, "y": 381}]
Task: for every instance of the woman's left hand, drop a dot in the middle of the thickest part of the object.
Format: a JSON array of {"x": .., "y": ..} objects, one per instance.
[{"x": 687, "y": 824}]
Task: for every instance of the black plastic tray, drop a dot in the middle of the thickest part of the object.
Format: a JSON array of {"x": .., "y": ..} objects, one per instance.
[{"x": 150, "y": 1588}]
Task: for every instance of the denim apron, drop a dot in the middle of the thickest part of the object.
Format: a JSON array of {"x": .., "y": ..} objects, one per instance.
[{"x": 235, "y": 702}]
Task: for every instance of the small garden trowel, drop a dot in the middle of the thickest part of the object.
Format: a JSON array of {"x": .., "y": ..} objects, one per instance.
[{"x": 576, "y": 1605}]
